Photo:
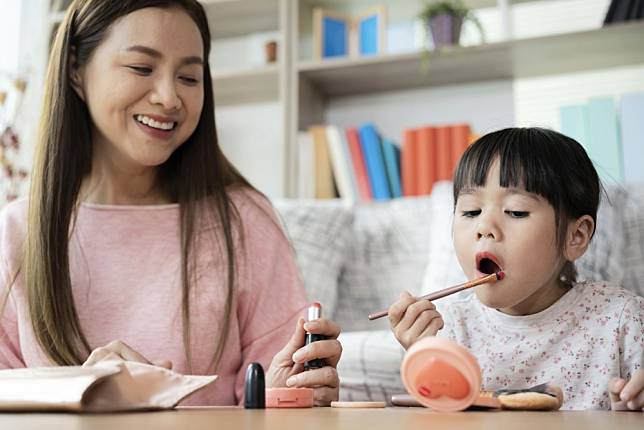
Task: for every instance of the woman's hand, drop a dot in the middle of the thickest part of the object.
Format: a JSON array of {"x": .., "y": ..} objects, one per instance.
[
  {"x": 413, "y": 319},
  {"x": 117, "y": 350},
  {"x": 287, "y": 367},
  {"x": 627, "y": 395}
]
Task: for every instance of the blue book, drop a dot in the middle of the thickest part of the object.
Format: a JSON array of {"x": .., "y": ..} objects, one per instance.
[
  {"x": 391, "y": 154},
  {"x": 605, "y": 148},
  {"x": 631, "y": 113},
  {"x": 368, "y": 35},
  {"x": 335, "y": 33},
  {"x": 370, "y": 143},
  {"x": 574, "y": 123}
]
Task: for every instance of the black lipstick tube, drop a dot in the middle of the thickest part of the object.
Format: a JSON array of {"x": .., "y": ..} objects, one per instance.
[{"x": 314, "y": 313}]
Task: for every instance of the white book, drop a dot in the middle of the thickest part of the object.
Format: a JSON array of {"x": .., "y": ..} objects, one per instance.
[
  {"x": 341, "y": 165},
  {"x": 305, "y": 166}
]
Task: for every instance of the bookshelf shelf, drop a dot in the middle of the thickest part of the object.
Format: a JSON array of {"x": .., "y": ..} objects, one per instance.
[
  {"x": 233, "y": 18},
  {"x": 227, "y": 18},
  {"x": 613, "y": 46},
  {"x": 476, "y": 4},
  {"x": 472, "y": 4},
  {"x": 246, "y": 86}
]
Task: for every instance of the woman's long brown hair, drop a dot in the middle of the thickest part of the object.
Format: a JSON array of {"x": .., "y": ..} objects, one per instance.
[{"x": 197, "y": 176}]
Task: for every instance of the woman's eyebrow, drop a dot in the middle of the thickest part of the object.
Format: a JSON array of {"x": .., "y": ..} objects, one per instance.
[{"x": 156, "y": 54}]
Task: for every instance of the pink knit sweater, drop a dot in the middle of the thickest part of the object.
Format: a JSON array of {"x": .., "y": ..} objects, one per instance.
[{"x": 126, "y": 281}]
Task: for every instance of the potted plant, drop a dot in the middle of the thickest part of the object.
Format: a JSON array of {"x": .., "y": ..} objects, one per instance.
[{"x": 444, "y": 19}]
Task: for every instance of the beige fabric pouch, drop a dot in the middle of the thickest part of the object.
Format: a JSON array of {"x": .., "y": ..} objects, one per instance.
[{"x": 107, "y": 386}]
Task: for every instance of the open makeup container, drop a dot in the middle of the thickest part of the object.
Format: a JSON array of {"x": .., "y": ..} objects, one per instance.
[{"x": 444, "y": 376}]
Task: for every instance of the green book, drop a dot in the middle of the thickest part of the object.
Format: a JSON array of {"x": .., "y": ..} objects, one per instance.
[
  {"x": 605, "y": 145},
  {"x": 574, "y": 123}
]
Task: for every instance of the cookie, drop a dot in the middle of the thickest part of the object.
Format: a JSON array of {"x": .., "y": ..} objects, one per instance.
[{"x": 530, "y": 402}]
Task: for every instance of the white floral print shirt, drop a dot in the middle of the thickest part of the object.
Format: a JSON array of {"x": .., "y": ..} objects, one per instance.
[{"x": 593, "y": 333}]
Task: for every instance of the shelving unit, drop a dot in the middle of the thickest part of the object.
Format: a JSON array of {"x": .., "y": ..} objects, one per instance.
[
  {"x": 302, "y": 87},
  {"x": 318, "y": 82},
  {"x": 617, "y": 45}
]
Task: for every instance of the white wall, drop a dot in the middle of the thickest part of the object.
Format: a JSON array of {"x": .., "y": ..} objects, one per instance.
[
  {"x": 251, "y": 137},
  {"x": 32, "y": 65},
  {"x": 23, "y": 55},
  {"x": 9, "y": 31}
]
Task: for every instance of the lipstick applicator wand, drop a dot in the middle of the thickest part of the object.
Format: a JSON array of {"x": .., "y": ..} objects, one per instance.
[{"x": 451, "y": 290}]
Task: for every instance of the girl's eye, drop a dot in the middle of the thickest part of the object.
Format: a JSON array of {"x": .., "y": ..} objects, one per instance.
[
  {"x": 141, "y": 70},
  {"x": 517, "y": 214},
  {"x": 471, "y": 214}
]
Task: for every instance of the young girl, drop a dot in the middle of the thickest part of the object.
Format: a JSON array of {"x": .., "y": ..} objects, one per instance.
[
  {"x": 526, "y": 203},
  {"x": 142, "y": 240}
]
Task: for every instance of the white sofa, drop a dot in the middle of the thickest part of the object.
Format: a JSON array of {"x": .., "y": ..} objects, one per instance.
[{"x": 357, "y": 260}]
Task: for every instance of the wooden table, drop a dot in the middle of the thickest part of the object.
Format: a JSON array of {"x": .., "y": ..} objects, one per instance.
[{"x": 326, "y": 418}]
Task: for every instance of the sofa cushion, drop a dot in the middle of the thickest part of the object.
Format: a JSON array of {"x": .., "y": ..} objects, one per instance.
[
  {"x": 443, "y": 269},
  {"x": 370, "y": 366},
  {"x": 632, "y": 213},
  {"x": 603, "y": 260},
  {"x": 320, "y": 232},
  {"x": 387, "y": 255}
]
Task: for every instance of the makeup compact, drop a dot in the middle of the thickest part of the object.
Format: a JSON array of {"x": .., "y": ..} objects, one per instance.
[
  {"x": 444, "y": 376},
  {"x": 289, "y": 397}
]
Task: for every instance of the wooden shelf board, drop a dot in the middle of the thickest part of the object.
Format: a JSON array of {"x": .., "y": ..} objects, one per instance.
[
  {"x": 472, "y": 4},
  {"x": 234, "y": 18},
  {"x": 613, "y": 46},
  {"x": 246, "y": 86}
]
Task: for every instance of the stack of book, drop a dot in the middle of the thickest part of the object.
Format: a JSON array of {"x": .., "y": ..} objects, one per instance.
[
  {"x": 358, "y": 164},
  {"x": 431, "y": 154},
  {"x": 612, "y": 134}
]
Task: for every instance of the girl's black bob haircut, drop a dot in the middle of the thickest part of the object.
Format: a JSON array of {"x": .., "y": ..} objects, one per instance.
[{"x": 540, "y": 161}]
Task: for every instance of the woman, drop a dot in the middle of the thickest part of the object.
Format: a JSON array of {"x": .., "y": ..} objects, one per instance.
[{"x": 142, "y": 240}]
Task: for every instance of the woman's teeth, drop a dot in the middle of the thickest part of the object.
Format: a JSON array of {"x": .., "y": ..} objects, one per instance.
[{"x": 143, "y": 119}]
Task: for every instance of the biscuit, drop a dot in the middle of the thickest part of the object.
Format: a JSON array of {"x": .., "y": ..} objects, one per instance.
[{"x": 530, "y": 401}]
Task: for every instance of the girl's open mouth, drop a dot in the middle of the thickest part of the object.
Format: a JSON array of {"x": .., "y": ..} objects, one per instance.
[{"x": 487, "y": 263}]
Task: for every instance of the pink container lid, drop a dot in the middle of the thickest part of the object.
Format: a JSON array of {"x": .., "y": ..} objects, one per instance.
[
  {"x": 441, "y": 374},
  {"x": 289, "y": 397}
]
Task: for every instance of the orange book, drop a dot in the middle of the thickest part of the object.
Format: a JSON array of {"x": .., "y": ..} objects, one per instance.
[
  {"x": 408, "y": 163},
  {"x": 460, "y": 142},
  {"x": 359, "y": 164},
  {"x": 426, "y": 163},
  {"x": 443, "y": 154}
]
